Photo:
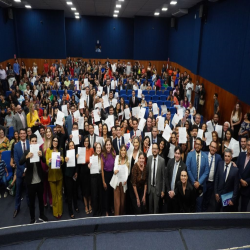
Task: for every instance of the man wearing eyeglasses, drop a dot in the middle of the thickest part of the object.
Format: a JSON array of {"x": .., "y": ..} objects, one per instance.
[
  {"x": 213, "y": 160},
  {"x": 198, "y": 171}
]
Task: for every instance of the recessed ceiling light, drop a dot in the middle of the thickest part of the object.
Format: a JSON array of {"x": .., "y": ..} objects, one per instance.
[
  {"x": 77, "y": 17},
  {"x": 28, "y": 6},
  {"x": 115, "y": 15},
  {"x": 173, "y": 2},
  {"x": 118, "y": 6},
  {"x": 157, "y": 13},
  {"x": 116, "y": 11},
  {"x": 121, "y": 0},
  {"x": 69, "y": 3},
  {"x": 77, "y": 13},
  {"x": 164, "y": 9},
  {"x": 73, "y": 8},
  {"x": 18, "y": 1}
]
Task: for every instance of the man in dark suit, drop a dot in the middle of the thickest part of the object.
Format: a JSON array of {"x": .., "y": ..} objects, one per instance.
[
  {"x": 133, "y": 101},
  {"x": 173, "y": 172},
  {"x": 155, "y": 137},
  {"x": 19, "y": 119},
  {"x": 226, "y": 181},
  {"x": 213, "y": 160},
  {"x": 193, "y": 137},
  {"x": 107, "y": 89},
  {"x": 198, "y": 170},
  {"x": 91, "y": 119},
  {"x": 156, "y": 179},
  {"x": 134, "y": 132},
  {"x": 197, "y": 121},
  {"x": 34, "y": 180},
  {"x": 225, "y": 127},
  {"x": 243, "y": 164},
  {"x": 89, "y": 99},
  {"x": 119, "y": 140},
  {"x": 185, "y": 119},
  {"x": 91, "y": 136},
  {"x": 19, "y": 149},
  {"x": 70, "y": 120}
]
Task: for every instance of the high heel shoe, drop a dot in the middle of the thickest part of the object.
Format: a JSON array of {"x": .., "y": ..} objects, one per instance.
[{"x": 86, "y": 210}]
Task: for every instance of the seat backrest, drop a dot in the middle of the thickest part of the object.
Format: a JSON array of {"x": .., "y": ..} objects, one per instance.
[{"x": 6, "y": 158}]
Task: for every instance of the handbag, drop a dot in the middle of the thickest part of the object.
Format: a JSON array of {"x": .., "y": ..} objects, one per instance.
[{"x": 201, "y": 102}]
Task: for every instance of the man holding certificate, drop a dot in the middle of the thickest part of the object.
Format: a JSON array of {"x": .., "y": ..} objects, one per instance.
[
  {"x": 34, "y": 177},
  {"x": 226, "y": 184}
]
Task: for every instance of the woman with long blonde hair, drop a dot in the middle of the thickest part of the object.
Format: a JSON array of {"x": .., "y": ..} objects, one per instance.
[{"x": 33, "y": 120}]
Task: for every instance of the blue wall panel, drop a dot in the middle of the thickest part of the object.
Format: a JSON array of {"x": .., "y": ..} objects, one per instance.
[
  {"x": 151, "y": 38},
  {"x": 40, "y": 33},
  {"x": 7, "y": 40}
]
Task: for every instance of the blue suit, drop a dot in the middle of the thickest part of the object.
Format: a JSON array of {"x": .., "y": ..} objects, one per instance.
[
  {"x": 69, "y": 124},
  {"x": 244, "y": 174},
  {"x": 192, "y": 173},
  {"x": 18, "y": 153},
  {"x": 210, "y": 184}
]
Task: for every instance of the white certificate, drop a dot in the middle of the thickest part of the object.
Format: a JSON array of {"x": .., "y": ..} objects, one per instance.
[
  {"x": 200, "y": 133},
  {"x": 135, "y": 111},
  {"x": 116, "y": 95},
  {"x": 100, "y": 140},
  {"x": 113, "y": 85},
  {"x": 81, "y": 155},
  {"x": 192, "y": 119},
  {"x": 175, "y": 120},
  {"x": 234, "y": 145},
  {"x": 39, "y": 138},
  {"x": 208, "y": 136},
  {"x": 142, "y": 113},
  {"x": 105, "y": 101},
  {"x": 77, "y": 114},
  {"x": 161, "y": 122},
  {"x": 77, "y": 85},
  {"x": 139, "y": 93},
  {"x": 126, "y": 137},
  {"x": 167, "y": 131},
  {"x": 59, "y": 118},
  {"x": 138, "y": 132},
  {"x": 127, "y": 113},
  {"x": 182, "y": 135},
  {"x": 75, "y": 137},
  {"x": 155, "y": 109},
  {"x": 94, "y": 169},
  {"x": 149, "y": 151},
  {"x": 218, "y": 129},
  {"x": 171, "y": 151},
  {"x": 98, "y": 105},
  {"x": 149, "y": 134},
  {"x": 83, "y": 92},
  {"x": 81, "y": 104},
  {"x": 210, "y": 127},
  {"x": 55, "y": 157},
  {"x": 81, "y": 123},
  {"x": 123, "y": 173},
  {"x": 180, "y": 113},
  {"x": 164, "y": 109},
  {"x": 65, "y": 110},
  {"x": 34, "y": 148},
  {"x": 86, "y": 82},
  {"x": 96, "y": 130},
  {"x": 96, "y": 115},
  {"x": 141, "y": 124},
  {"x": 130, "y": 149},
  {"x": 71, "y": 155},
  {"x": 114, "y": 102},
  {"x": 100, "y": 90}
]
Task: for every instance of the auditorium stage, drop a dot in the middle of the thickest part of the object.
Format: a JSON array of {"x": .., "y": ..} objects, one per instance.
[{"x": 165, "y": 231}]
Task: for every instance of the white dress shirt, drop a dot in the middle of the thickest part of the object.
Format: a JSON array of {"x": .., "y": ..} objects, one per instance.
[
  {"x": 212, "y": 168},
  {"x": 199, "y": 163},
  {"x": 228, "y": 169}
]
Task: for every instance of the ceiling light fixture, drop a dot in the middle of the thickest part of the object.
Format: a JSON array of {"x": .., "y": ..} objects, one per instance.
[
  {"x": 116, "y": 11},
  {"x": 157, "y": 13},
  {"x": 77, "y": 17},
  {"x": 118, "y": 6},
  {"x": 28, "y": 6},
  {"x": 164, "y": 9},
  {"x": 121, "y": 0},
  {"x": 173, "y": 2},
  {"x": 77, "y": 13},
  {"x": 18, "y": 1},
  {"x": 115, "y": 15},
  {"x": 73, "y": 8},
  {"x": 69, "y": 3}
]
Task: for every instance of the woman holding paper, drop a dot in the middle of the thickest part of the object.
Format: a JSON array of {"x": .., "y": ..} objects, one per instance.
[
  {"x": 216, "y": 139},
  {"x": 85, "y": 180},
  {"x": 33, "y": 120},
  {"x": 96, "y": 183},
  {"x": 120, "y": 187},
  {"x": 45, "y": 119},
  {"x": 226, "y": 142},
  {"x": 108, "y": 158},
  {"x": 139, "y": 182},
  {"x": 70, "y": 176},
  {"x": 46, "y": 187},
  {"x": 55, "y": 177}
]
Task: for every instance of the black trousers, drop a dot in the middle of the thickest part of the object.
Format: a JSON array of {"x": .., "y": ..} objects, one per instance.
[
  {"x": 33, "y": 190},
  {"x": 108, "y": 194},
  {"x": 172, "y": 204},
  {"x": 219, "y": 207},
  {"x": 142, "y": 208},
  {"x": 96, "y": 194},
  {"x": 244, "y": 203},
  {"x": 71, "y": 193},
  {"x": 207, "y": 196}
]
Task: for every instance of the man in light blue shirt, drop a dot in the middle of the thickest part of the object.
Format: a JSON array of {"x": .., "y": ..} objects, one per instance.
[{"x": 16, "y": 69}]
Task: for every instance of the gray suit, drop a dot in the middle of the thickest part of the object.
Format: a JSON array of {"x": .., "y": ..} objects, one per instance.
[
  {"x": 155, "y": 192},
  {"x": 17, "y": 123}
]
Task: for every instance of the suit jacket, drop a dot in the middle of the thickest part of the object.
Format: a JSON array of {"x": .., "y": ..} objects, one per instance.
[
  {"x": 69, "y": 124},
  {"x": 217, "y": 160},
  {"x": 115, "y": 144},
  {"x": 160, "y": 176},
  {"x": 18, "y": 153},
  {"x": 91, "y": 102},
  {"x": 17, "y": 123},
  {"x": 30, "y": 166},
  {"x": 192, "y": 168},
  {"x": 90, "y": 121},
  {"x": 131, "y": 104},
  {"x": 169, "y": 173},
  {"x": 244, "y": 173},
  {"x": 192, "y": 141},
  {"x": 231, "y": 184},
  {"x": 105, "y": 89}
]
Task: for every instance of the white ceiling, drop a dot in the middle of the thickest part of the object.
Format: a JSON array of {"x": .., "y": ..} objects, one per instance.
[{"x": 130, "y": 8}]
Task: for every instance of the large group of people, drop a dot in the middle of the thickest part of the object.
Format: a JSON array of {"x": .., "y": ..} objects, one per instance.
[{"x": 76, "y": 135}]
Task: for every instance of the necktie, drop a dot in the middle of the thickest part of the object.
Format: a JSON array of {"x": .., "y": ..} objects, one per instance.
[
  {"x": 91, "y": 141},
  {"x": 198, "y": 166},
  {"x": 154, "y": 141},
  {"x": 135, "y": 133},
  {"x": 154, "y": 173},
  {"x": 22, "y": 120},
  {"x": 225, "y": 173},
  {"x": 72, "y": 119},
  {"x": 211, "y": 162},
  {"x": 174, "y": 176},
  {"x": 24, "y": 147},
  {"x": 119, "y": 144},
  {"x": 133, "y": 100},
  {"x": 93, "y": 121}
]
